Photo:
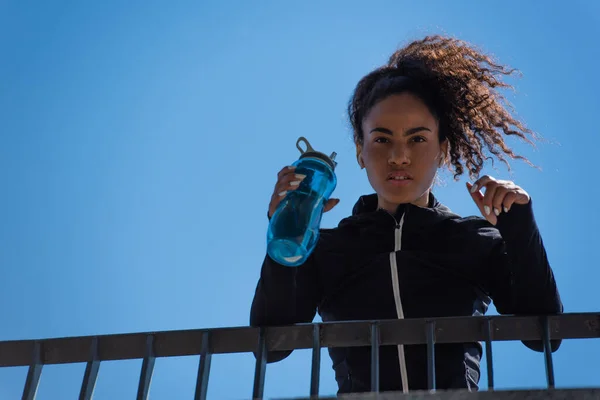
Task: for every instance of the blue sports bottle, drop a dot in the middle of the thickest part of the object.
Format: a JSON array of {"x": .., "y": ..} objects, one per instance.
[{"x": 294, "y": 227}]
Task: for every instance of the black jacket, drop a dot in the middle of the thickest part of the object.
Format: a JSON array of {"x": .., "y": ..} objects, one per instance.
[{"x": 424, "y": 262}]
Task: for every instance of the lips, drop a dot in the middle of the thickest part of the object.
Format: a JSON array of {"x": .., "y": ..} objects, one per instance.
[{"x": 399, "y": 176}]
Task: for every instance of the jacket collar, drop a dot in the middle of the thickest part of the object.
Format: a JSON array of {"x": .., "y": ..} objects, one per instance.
[
  {"x": 365, "y": 209},
  {"x": 368, "y": 203}
]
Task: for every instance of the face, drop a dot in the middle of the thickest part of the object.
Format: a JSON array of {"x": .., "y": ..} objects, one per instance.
[{"x": 401, "y": 151}]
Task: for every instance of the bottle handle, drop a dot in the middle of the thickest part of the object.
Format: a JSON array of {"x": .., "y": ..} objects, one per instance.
[{"x": 305, "y": 141}]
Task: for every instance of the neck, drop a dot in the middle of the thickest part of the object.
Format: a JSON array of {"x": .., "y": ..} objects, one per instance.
[{"x": 422, "y": 201}]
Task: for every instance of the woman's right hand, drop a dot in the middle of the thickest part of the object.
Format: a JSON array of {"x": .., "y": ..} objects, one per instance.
[{"x": 288, "y": 180}]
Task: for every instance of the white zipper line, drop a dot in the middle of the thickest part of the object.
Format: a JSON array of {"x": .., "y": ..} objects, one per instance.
[{"x": 397, "y": 299}]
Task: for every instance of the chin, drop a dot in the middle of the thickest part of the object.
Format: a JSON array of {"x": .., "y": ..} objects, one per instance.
[{"x": 392, "y": 194}]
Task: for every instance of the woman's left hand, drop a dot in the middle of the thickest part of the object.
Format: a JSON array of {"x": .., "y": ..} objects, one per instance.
[{"x": 499, "y": 196}]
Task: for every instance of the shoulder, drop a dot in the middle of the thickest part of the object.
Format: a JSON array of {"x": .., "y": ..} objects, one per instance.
[
  {"x": 476, "y": 231},
  {"x": 326, "y": 233},
  {"x": 329, "y": 236},
  {"x": 475, "y": 224},
  {"x": 347, "y": 237}
]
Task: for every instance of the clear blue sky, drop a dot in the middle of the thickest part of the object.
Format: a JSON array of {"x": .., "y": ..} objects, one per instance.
[{"x": 139, "y": 143}]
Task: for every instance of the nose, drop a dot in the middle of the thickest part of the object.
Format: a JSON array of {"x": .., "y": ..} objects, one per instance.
[{"x": 399, "y": 155}]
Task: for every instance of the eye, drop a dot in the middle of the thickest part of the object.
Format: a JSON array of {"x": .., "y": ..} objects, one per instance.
[
  {"x": 381, "y": 139},
  {"x": 419, "y": 139}
]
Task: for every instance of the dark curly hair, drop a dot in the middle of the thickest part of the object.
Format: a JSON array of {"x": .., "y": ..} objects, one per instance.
[{"x": 459, "y": 84}]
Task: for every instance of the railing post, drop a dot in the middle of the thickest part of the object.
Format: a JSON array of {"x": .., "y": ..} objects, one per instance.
[
  {"x": 261, "y": 366},
  {"x": 548, "y": 352},
  {"x": 33, "y": 375},
  {"x": 147, "y": 370},
  {"x": 315, "y": 370},
  {"x": 375, "y": 357},
  {"x": 430, "y": 333},
  {"x": 487, "y": 327},
  {"x": 203, "y": 368},
  {"x": 91, "y": 373}
]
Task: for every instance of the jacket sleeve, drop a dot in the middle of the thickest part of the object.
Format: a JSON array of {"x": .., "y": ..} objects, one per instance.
[
  {"x": 520, "y": 279},
  {"x": 285, "y": 296}
]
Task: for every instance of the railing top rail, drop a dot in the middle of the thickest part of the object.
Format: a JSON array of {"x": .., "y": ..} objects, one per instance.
[{"x": 338, "y": 334}]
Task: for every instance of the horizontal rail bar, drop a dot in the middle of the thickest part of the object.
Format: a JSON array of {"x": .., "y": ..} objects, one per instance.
[{"x": 338, "y": 334}]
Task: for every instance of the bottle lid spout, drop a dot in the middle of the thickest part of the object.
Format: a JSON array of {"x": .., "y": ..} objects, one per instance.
[
  {"x": 332, "y": 157},
  {"x": 309, "y": 148},
  {"x": 309, "y": 151}
]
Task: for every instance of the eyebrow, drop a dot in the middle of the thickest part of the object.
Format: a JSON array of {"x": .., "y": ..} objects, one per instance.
[{"x": 409, "y": 132}]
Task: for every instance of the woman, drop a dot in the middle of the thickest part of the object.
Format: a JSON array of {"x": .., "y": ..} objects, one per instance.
[{"x": 402, "y": 254}]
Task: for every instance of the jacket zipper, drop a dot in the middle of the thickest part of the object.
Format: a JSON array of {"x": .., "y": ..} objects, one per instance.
[{"x": 397, "y": 298}]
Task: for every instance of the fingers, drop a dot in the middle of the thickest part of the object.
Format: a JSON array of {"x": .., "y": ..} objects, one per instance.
[
  {"x": 481, "y": 183},
  {"x": 330, "y": 204},
  {"x": 497, "y": 200},
  {"x": 287, "y": 180},
  {"x": 494, "y": 194},
  {"x": 478, "y": 199},
  {"x": 285, "y": 170},
  {"x": 508, "y": 201},
  {"x": 491, "y": 189},
  {"x": 499, "y": 196}
]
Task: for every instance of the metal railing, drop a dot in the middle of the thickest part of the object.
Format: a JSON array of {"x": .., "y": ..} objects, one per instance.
[{"x": 206, "y": 342}]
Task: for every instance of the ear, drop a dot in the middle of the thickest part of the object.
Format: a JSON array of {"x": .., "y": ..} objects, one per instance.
[
  {"x": 443, "y": 152},
  {"x": 359, "y": 157}
]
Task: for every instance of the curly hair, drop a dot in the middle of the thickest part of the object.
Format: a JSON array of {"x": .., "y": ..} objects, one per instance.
[{"x": 459, "y": 84}]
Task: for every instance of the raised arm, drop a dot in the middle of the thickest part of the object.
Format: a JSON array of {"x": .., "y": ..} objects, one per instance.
[
  {"x": 286, "y": 295},
  {"x": 519, "y": 277}
]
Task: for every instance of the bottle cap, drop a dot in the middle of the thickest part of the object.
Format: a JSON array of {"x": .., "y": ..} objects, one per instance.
[{"x": 312, "y": 153}]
